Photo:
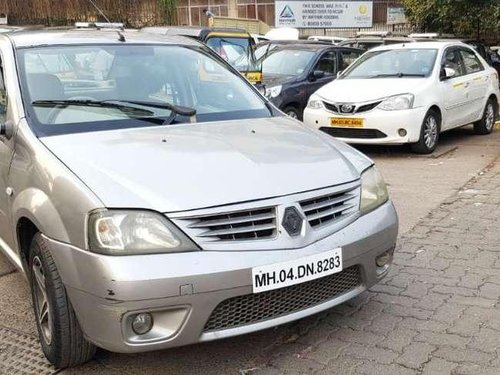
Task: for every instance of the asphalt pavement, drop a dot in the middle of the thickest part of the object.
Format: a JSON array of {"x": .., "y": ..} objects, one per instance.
[{"x": 437, "y": 312}]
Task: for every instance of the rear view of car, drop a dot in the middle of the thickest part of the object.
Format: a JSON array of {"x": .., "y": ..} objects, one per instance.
[{"x": 408, "y": 93}]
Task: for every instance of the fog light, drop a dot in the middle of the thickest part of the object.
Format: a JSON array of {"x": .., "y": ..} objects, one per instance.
[
  {"x": 383, "y": 259},
  {"x": 142, "y": 323},
  {"x": 402, "y": 132}
]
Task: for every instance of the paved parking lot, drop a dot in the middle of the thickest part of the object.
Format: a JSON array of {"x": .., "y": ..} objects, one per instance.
[{"x": 436, "y": 313}]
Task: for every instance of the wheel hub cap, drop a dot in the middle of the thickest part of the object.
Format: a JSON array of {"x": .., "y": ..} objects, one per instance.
[
  {"x": 489, "y": 116},
  {"x": 42, "y": 306},
  {"x": 430, "y": 132}
]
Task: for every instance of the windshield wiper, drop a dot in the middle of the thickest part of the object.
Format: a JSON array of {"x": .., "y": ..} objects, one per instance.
[
  {"x": 399, "y": 75},
  {"x": 117, "y": 103}
]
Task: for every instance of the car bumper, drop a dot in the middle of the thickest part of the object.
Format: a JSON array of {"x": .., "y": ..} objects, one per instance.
[
  {"x": 379, "y": 127},
  {"x": 182, "y": 290}
]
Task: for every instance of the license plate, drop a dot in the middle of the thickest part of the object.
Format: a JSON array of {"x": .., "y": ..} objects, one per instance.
[
  {"x": 346, "y": 122},
  {"x": 280, "y": 275}
]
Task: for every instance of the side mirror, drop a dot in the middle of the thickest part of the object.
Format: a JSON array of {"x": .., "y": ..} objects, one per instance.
[
  {"x": 317, "y": 74},
  {"x": 6, "y": 129},
  {"x": 447, "y": 73},
  {"x": 339, "y": 73}
]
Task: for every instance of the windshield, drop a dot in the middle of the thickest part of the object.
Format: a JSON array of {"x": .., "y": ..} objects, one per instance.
[
  {"x": 236, "y": 51},
  {"x": 84, "y": 88},
  {"x": 286, "y": 62},
  {"x": 393, "y": 63}
]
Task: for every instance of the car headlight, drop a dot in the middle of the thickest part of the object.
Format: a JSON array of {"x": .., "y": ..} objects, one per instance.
[
  {"x": 133, "y": 232},
  {"x": 315, "y": 102},
  {"x": 373, "y": 190},
  {"x": 273, "y": 92},
  {"x": 397, "y": 102}
]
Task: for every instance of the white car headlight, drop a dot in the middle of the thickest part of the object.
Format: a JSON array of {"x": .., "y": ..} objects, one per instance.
[
  {"x": 373, "y": 190},
  {"x": 315, "y": 102},
  {"x": 397, "y": 102},
  {"x": 273, "y": 92},
  {"x": 133, "y": 232}
]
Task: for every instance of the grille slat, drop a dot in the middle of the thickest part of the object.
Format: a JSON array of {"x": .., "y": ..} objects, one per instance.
[
  {"x": 243, "y": 219},
  {"x": 254, "y": 308},
  {"x": 225, "y": 232},
  {"x": 315, "y": 205},
  {"x": 330, "y": 211},
  {"x": 328, "y": 208},
  {"x": 256, "y": 223},
  {"x": 354, "y": 133}
]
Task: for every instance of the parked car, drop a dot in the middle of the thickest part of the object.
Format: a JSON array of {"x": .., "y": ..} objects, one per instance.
[
  {"x": 236, "y": 46},
  {"x": 293, "y": 71},
  {"x": 153, "y": 198},
  {"x": 408, "y": 93}
]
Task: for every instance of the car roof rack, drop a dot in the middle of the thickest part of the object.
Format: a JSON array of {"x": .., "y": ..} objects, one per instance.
[
  {"x": 100, "y": 25},
  {"x": 373, "y": 33},
  {"x": 424, "y": 35}
]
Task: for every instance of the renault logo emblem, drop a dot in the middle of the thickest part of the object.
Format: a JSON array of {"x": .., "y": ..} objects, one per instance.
[{"x": 292, "y": 221}]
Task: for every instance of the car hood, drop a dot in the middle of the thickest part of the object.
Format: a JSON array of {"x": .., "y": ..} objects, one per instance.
[
  {"x": 363, "y": 90},
  {"x": 183, "y": 167}
]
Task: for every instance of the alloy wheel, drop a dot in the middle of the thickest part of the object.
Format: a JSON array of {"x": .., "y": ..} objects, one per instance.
[
  {"x": 42, "y": 306},
  {"x": 292, "y": 114},
  {"x": 430, "y": 132},
  {"x": 489, "y": 117}
]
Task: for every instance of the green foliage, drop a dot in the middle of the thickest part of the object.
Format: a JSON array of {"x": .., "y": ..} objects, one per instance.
[
  {"x": 168, "y": 9},
  {"x": 460, "y": 17}
]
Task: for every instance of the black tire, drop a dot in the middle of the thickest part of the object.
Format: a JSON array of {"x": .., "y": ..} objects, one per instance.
[
  {"x": 293, "y": 112},
  {"x": 429, "y": 134},
  {"x": 60, "y": 334},
  {"x": 487, "y": 122}
]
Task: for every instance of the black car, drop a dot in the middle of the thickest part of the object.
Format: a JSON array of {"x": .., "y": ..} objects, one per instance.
[{"x": 291, "y": 72}]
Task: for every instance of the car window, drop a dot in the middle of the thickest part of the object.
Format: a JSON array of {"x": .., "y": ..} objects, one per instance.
[
  {"x": 327, "y": 63},
  {"x": 348, "y": 57},
  {"x": 171, "y": 74},
  {"x": 405, "y": 62},
  {"x": 3, "y": 96},
  {"x": 453, "y": 61},
  {"x": 471, "y": 62},
  {"x": 286, "y": 62}
]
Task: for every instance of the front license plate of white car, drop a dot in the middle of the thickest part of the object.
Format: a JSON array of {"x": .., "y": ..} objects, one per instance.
[{"x": 280, "y": 275}]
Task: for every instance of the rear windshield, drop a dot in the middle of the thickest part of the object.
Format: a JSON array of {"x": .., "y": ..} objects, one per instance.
[
  {"x": 70, "y": 89},
  {"x": 393, "y": 63}
]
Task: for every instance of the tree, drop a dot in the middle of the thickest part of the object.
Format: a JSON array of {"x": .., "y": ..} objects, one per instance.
[
  {"x": 460, "y": 17},
  {"x": 168, "y": 9}
]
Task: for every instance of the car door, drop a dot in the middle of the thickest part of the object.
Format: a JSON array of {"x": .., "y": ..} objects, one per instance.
[
  {"x": 326, "y": 63},
  {"x": 6, "y": 152},
  {"x": 454, "y": 90},
  {"x": 477, "y": 83}
]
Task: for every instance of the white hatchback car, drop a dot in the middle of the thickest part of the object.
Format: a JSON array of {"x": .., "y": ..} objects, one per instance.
[{"x": 408, "y": 93}]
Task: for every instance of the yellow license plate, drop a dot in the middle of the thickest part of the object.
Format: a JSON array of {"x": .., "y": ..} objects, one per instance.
[
  {"x": 346, "y": 122},
  {"x": 253, "y": 77}
]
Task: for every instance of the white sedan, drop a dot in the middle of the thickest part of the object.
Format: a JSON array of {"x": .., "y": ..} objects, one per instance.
[{"x": 408, "y": 93}]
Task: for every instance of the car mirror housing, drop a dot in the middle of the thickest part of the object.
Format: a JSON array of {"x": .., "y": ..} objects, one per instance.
[
  {"x": 447, "y": 73},
  {"x": 317, "y": 74},
  {"x": 339, "y": 73}
]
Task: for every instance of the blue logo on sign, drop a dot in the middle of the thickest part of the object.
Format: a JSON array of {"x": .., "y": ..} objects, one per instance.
[{"x": 287, "y": 12}]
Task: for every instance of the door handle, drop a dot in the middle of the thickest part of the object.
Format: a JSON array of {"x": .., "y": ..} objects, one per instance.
[{"x": 466, "y": 84}]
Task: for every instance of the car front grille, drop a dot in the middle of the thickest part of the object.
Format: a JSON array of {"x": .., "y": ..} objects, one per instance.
[
  {"x": 325, "y": 209},
  {"x": 259, "y": 223},
  {"x": 354, "y": 133},
  {"x": 356, "y": 107},
  {"x": 254, "y": 308}
]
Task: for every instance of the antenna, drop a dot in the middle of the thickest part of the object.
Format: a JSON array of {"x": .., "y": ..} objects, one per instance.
[
  {"x": 121, "y": 37},
  {"x": 99, "y": 10}
]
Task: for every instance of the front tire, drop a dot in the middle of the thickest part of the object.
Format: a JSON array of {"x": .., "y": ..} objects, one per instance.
[
  {"x": 429, "y": 134},
  {"x": 293, "y": 112},
  {"x": 487, "y": 122},
  {"x": 60, "y": 334}
]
